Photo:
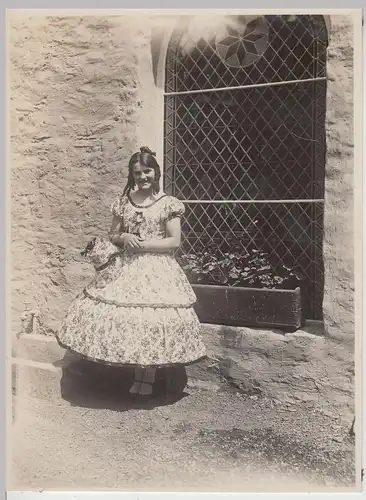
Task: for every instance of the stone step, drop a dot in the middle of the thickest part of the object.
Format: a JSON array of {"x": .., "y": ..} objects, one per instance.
[
  {"x": 44, "y": 349},
  {"x": 38, "y": 366},
  {"x": 36, "y": 380},
  {"x": 42, "y": 369},
  {"x": 71, "y": 382},
  {"x": 39, "y": 348}
]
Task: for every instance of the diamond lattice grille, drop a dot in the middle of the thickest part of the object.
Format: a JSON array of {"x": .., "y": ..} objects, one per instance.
[
  {"x": 252, "y": 144},
  {"x": 296, "y": 50},
  {"x": 290, "y": 233}
]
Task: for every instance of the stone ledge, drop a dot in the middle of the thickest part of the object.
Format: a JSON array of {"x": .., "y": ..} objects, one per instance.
[
  {"x": 45, "y": 349},
  {"x": 40, "y": 348},
  {"x": 36, "y": 380},
  {"x": 304, "y": 366},
  {"x": 295, "y": 367}
]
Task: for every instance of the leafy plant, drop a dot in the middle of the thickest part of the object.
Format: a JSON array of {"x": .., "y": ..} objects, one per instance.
[{"x": 240, "y": 268}]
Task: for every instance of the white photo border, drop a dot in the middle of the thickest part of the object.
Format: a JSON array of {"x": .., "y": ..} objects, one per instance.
[{"x": 360, "y": 158}]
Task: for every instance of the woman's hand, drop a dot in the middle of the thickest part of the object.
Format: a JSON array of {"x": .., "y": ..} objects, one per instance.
[
  {"x": 165, "y": 245},
  {"x": 141, "y": 248},
  {"x": 130, "y": 241}
]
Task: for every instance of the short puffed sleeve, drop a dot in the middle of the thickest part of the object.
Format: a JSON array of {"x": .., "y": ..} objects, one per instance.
[
  {"x": 174, "y": 208},
  {"x": 117, "y": 206}
]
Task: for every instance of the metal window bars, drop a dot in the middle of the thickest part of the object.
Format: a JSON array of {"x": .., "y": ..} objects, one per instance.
[{"x": 245, "y": 147}]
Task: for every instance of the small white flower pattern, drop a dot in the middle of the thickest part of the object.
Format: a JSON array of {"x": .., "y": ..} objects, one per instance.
[{"x": 139, "y": 310}]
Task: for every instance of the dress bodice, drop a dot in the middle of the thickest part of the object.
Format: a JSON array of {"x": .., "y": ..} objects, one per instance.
[
  {"x": 147, "y": 222},
  {"x": 148, "y": 279}
]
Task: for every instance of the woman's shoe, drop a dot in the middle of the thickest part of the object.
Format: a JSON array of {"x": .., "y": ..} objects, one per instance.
[{"x": 146, "y": 389}]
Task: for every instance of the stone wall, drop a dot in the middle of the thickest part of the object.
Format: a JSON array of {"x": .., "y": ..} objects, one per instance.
[
  {"x": 80, "y": 106},
  {"x": 338, "y": 303},
  {"x": 338, "y": 223},
  {"x": 296, "y": 368}
]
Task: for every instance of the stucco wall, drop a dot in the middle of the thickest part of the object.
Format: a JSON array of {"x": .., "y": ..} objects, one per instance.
[
  {"x": 338, "y": 221},
  {"x": 80, "y": 106}
]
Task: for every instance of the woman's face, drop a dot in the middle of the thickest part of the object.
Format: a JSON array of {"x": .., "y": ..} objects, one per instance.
[{"x": 143, "y": 176}]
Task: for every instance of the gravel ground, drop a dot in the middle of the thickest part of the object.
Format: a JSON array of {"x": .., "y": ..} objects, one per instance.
[{"x": 204, "y": 440}]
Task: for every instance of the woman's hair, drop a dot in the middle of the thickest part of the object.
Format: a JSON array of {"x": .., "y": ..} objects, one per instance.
[{"x": 145, "y": 157}]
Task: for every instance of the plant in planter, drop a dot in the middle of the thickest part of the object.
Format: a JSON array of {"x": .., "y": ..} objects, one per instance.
[
  {"x": 244, "y": 288},
  {"x": 240, "y": 269}
]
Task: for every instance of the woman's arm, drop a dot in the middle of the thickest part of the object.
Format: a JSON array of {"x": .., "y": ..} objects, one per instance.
[
  {"x": 115, "y": 231},
  {"x": 171, "y": 242},
  {"x": 122, "y": 240}
]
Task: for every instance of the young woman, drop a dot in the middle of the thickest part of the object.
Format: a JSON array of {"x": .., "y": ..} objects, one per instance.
[{"x": 139, "y": 310}]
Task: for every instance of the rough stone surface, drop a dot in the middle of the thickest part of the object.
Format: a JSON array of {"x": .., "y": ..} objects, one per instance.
[
  {"x": 82, "y": 100},
  {"x": 294, "y": 368},
  {"x": 338, "y": 305},
  {"x": 79, "y": 107},
  {"x": 338, "y": 221}
]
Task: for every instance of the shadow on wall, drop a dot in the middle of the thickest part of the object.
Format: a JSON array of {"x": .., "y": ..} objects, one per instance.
[{"x": 93, "y": 385}]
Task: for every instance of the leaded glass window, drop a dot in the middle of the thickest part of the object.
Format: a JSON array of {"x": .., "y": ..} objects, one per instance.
[{"x": 244, "y": 140}]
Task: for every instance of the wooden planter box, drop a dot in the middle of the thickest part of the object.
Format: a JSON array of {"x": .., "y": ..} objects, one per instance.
[{"x": 252, "y": 307}]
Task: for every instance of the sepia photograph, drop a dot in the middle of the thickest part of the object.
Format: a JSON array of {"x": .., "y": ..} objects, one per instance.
[{"x": 183, "y": 281}]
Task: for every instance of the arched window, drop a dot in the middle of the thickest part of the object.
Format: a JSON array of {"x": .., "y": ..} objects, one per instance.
[{"x": 244, "y": 140}]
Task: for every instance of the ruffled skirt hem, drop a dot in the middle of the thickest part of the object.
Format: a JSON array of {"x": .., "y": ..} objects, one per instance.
[
  {"x": 132, "y": 336},
  {"x": 129, "y": 365}
]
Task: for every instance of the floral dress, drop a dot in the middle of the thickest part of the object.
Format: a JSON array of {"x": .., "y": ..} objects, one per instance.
[{"x": 139, "y": 310}]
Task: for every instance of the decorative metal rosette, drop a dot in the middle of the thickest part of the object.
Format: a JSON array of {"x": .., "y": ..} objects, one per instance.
[{"x": 244, "y": 41}]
